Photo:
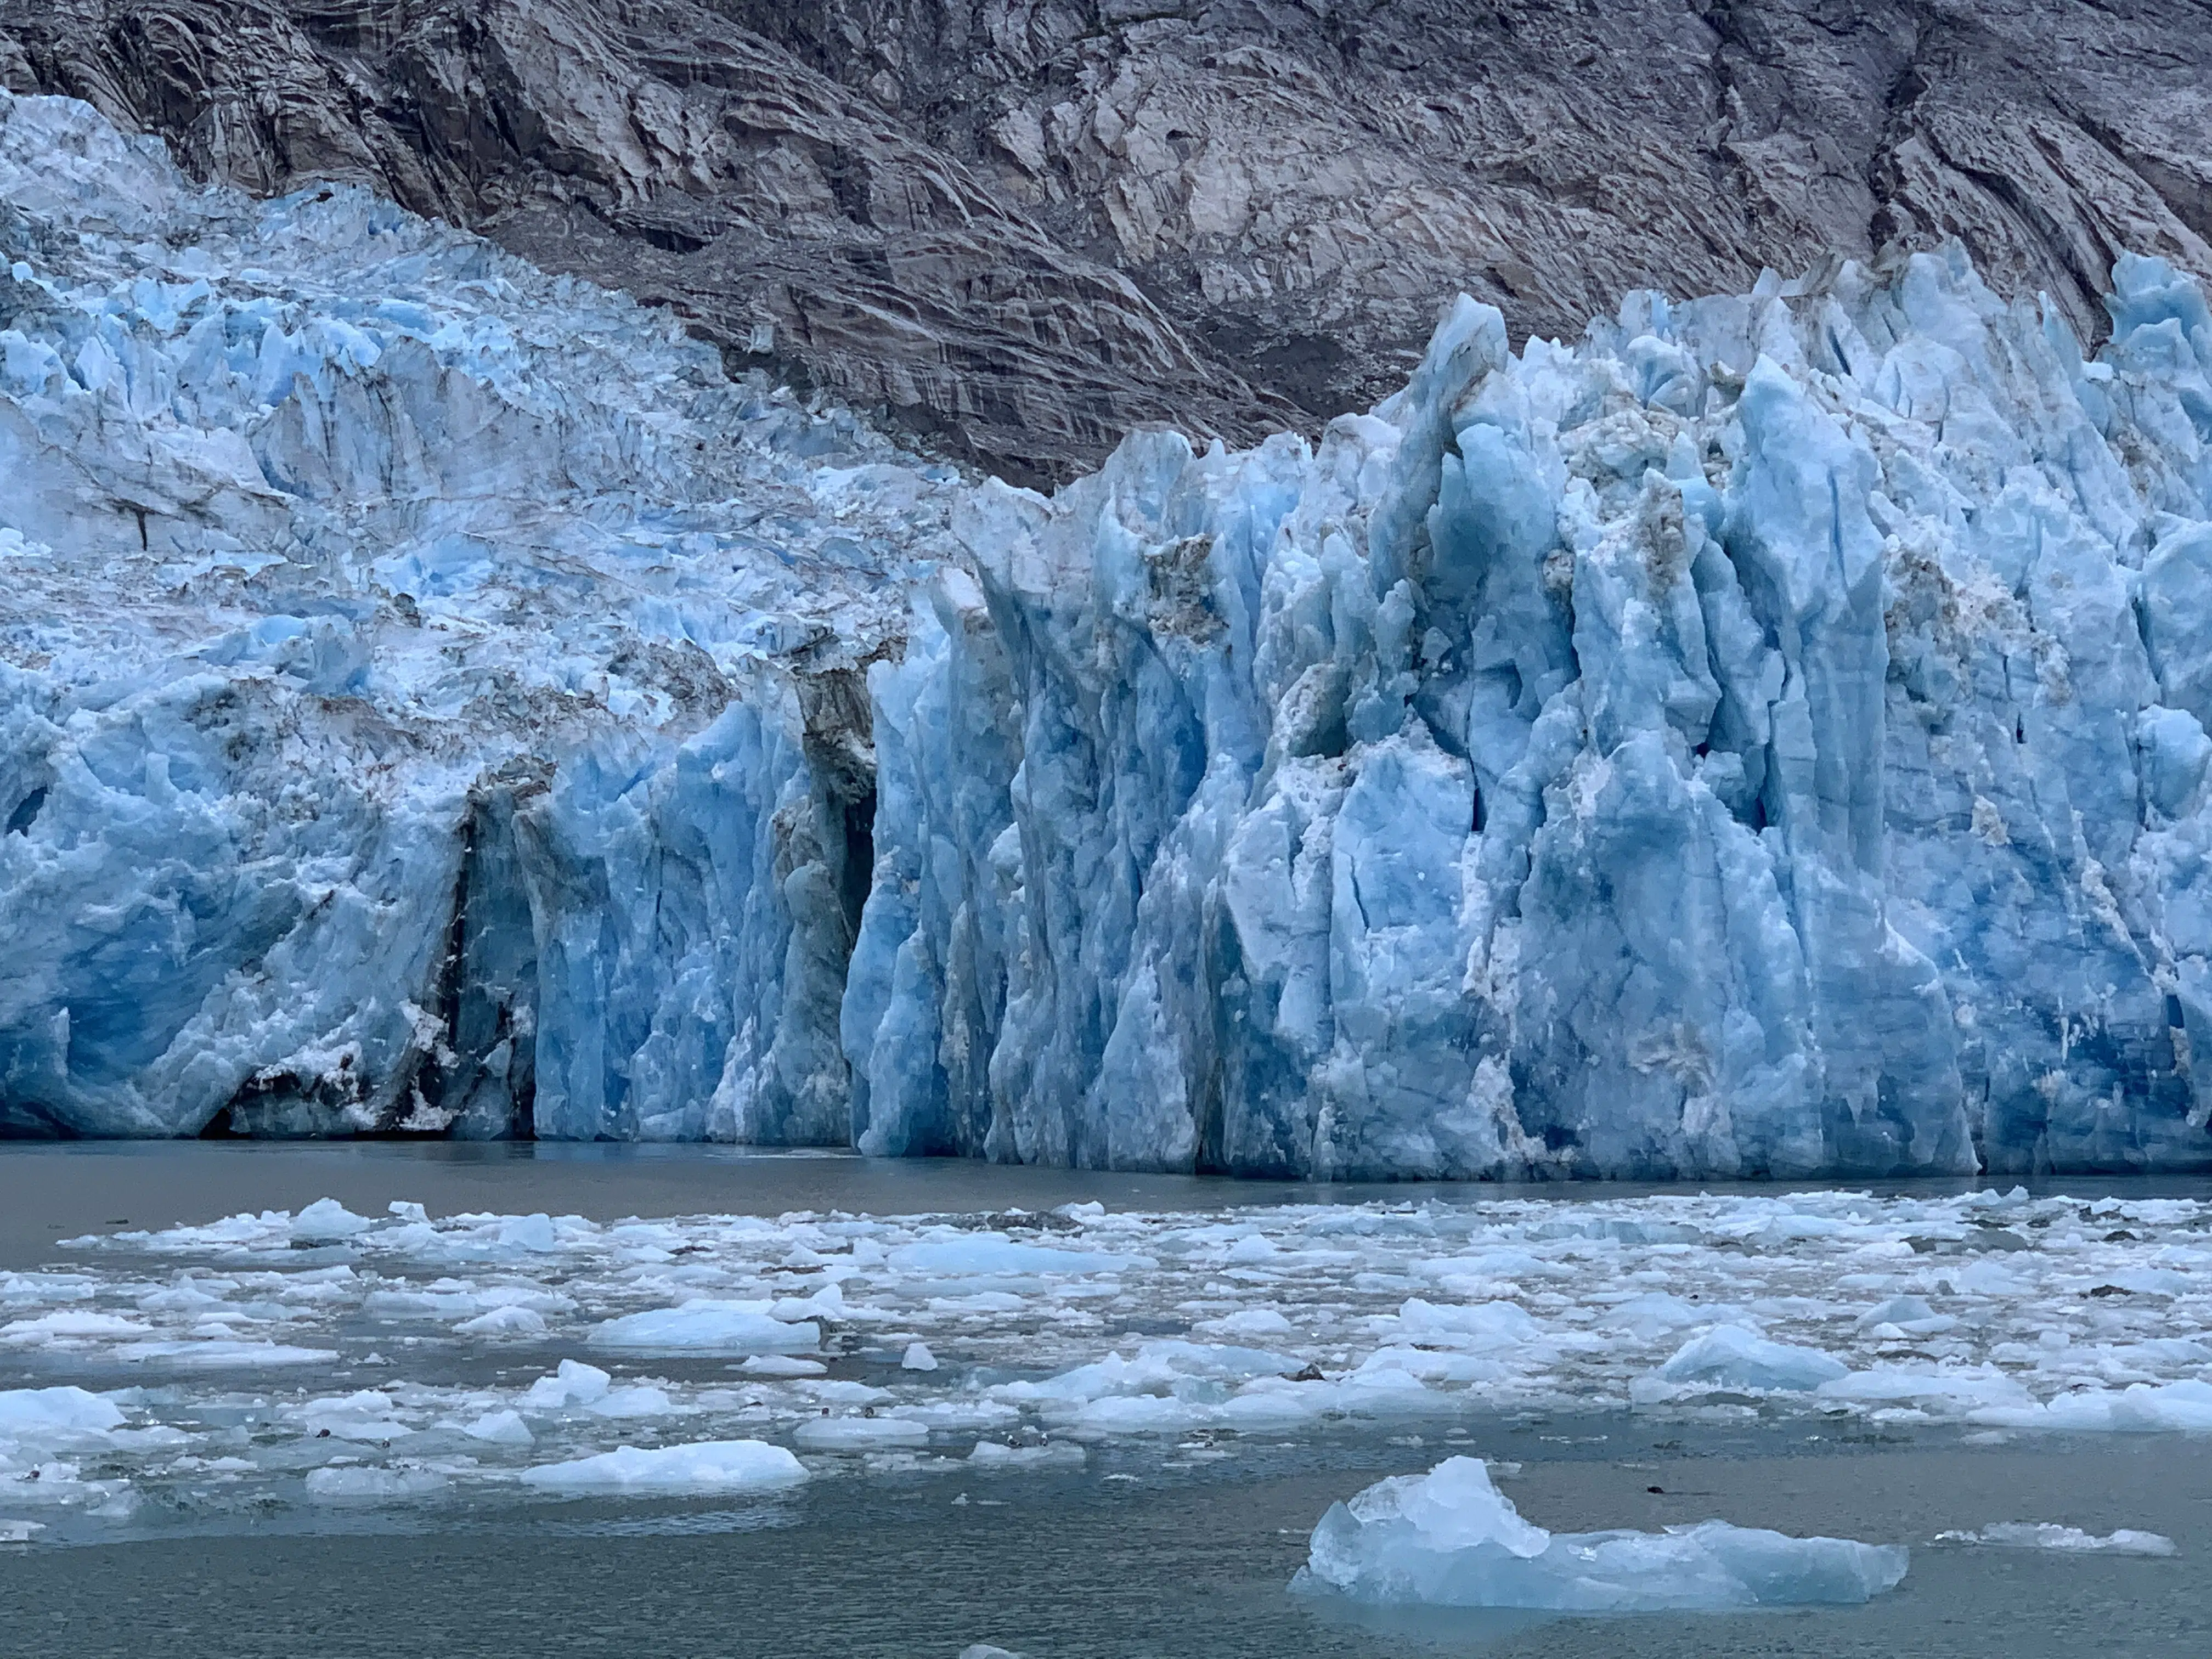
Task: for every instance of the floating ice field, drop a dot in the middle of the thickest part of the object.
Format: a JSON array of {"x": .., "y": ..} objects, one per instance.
[{"x": 331, "y": 1357}]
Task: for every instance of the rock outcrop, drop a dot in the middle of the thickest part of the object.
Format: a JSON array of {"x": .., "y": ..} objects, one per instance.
[{"x": 1022, "y": 228}]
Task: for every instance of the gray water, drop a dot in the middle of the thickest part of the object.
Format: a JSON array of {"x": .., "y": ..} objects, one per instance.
[
  {"x": 1128, "y": 1559},
  {"x": 1160, "y": 1567}
]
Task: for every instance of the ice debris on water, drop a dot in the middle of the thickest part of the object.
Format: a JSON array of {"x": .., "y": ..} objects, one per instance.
[
  {"x": 1449, "y": 1538},
  {"x": 1204, "y": 1330},
  {"x": 2049, "y": 1536},
  {"x": 1765, "y": 736}
]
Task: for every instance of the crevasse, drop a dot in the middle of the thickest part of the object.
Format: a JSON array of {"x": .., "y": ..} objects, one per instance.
[{"x": 1765, "y": 739}]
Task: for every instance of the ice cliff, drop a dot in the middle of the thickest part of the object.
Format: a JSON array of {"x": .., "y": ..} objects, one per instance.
[{"x": 1766, "y": 738}]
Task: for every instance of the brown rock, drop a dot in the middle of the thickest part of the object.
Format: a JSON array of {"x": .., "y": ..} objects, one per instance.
[{"x": 1021, "y": 226}]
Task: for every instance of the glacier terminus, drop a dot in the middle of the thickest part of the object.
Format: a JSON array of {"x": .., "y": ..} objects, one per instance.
[{"x": 1765, "y": 738}]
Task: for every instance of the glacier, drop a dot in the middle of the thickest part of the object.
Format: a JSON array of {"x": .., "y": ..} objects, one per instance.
[{"x": 1766, "y": 738}]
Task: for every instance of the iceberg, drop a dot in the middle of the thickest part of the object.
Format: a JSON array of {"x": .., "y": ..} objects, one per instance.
[
  {"x": 1450, "y": 1538},
  {"x": 1765, "y": 738},
  {"x": 1730, "y": 1357},
  {"x": 706, "y": 1325},
  {"x": 705, "y": 1465}
]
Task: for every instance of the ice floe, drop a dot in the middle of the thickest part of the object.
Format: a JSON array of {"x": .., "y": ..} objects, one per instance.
[
  {"x": 2049, "y": 1536},
  {"x": 714, "y": 1466},
  {"x": 1450, "y": 1538}
]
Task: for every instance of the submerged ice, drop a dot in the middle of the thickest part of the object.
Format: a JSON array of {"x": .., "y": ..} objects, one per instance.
[
  {"x": 1450, "y": 1538},
  {"x": 1767, "y": 736}
]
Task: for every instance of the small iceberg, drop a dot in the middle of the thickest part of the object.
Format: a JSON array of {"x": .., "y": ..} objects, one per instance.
[
  {"x": 707, "y": 1466},
  {"x": 1730, "y": 1357},
  {"x": 1450, "y": 1538},
  {"x": 2049, "y": 1535}
]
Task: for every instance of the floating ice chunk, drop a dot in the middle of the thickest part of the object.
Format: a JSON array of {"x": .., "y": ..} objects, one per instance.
[
  {"x": 528, "y": 1232},
  {"x": 1729, "y": 1355},
  {"x": 782, "y": 1365},
  {"x": 984, "y": 1255},
  {"x": 917, "y": 1358},
  {"x": 503, "y": 1321},
  {"x": 1140, "y": 1414},
  {"x": 366, "y": 1483},
  {"x": 1250, "y": 1323},
  {"x": 574, "y": 1384},
  {"x": 326, "y": 1221},
  {"x": 69, "y": 1327},
  {"x": 702, "y": 1467},
  {"x": 844, "y": 1434},
  {"x": 990, "y": 1456},
  {"x": 1654, "y": 1315},
  {"x": 215, "y": 1354},
  {"x": 501, "y": 1428},
  {"x": 1158, "y": 1368},
  {"x": 1477, "y": 1325},
  {"x": 702, "y": 1325},
  {"x": 2141, "y": 1408},
  {"x": 644, "y": 1400},
  {"x": 1910, "y": 1314},
  {"x": 2049, "y": 1536},
  {"x": 46, "y": 1413},
  {"x": 1976, "y": 1391},
  {"x": 19, "y": 1532},
  {"x": 1448, "y": 1539},
  {"x": 366, "y": 1415}
]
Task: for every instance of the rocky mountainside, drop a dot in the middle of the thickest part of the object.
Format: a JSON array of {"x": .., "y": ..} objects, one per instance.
[{"x": 1021, "y": 227}]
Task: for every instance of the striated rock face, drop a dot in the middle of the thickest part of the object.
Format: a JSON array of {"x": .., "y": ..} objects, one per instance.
[{"x": 1024, "y": 227}]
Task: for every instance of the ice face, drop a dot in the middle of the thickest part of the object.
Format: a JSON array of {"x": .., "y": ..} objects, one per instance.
[
  {"x": 427, "y": 688},
  {"x": 1448, "y": 1539},
  {"x": 1766, "y": 738}
]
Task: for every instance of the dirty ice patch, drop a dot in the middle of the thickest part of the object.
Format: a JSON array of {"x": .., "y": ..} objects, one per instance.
[{"x": 1450, "y": 1538}]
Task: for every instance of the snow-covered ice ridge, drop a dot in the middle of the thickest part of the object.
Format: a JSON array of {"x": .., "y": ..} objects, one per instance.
[
  {"x": 211, "y": 1359},
  {"x": 1766, "y": 738}
]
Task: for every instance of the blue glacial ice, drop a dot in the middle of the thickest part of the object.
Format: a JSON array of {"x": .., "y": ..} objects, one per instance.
[
  {"x": 1765, "y": 738},
  {"x": 1450, "y": 1538}
]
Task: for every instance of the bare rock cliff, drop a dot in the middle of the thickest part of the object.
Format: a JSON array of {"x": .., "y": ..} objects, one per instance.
[{"x": 1020, "y": 228}]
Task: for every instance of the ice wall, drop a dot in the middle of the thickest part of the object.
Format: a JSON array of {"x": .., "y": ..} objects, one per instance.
[
  {"x": 429, "y": 691},
  {"x": 1766, "y": 738}
]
